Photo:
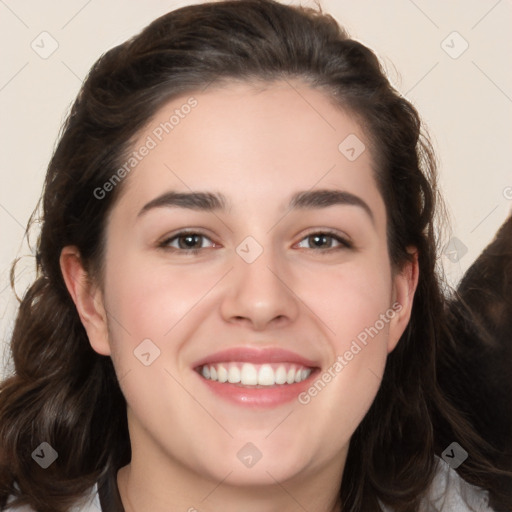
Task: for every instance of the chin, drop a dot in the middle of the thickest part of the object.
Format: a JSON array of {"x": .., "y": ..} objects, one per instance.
[{"x": 258, "y": 463}]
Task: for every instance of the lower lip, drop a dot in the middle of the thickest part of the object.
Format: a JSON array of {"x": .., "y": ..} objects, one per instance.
[{"x": 268, "y": 396}]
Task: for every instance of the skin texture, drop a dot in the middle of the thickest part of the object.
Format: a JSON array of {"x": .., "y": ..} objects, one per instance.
[{"x": 257, "y": 146}]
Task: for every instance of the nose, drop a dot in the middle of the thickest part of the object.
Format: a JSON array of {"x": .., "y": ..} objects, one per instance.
[{"x": 260, "y": 294}]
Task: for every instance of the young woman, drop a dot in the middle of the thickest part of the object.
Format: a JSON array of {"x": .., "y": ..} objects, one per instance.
[{"x": 237, "y": 305}]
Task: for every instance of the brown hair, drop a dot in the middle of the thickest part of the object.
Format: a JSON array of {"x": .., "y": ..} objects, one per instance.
[
  {"x": 64, "y": 393},
  {"x": 480, "y": 316}
]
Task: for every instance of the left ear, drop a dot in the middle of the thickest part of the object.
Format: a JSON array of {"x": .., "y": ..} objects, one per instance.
[{"x": 404, "y": 286}]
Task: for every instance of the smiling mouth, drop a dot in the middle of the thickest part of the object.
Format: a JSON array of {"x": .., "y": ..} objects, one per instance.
[{"x": 251, "y": 375}]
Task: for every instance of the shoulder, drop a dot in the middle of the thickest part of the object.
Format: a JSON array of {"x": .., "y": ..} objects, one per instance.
[
  {"x": 449, "y": 492},
  {"x": 90, "y": 503}
]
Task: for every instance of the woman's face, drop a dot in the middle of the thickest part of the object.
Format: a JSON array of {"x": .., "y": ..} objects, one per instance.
[{"x": 249, "y": 244}]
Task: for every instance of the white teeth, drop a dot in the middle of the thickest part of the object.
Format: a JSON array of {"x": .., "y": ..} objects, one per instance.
[
  {"x": 281, "y": 375},
  {"x": 266, "y": 376},
  {"x": 249, "y": 374},
  {"x": 222, "y": 373},
  {"x": 234, "y": 374}
]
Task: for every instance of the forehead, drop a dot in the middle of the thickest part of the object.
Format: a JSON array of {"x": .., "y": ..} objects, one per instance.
[{"x": 253, "y": 142}]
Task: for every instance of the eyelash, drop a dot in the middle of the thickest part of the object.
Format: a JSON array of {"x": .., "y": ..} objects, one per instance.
[{"x": 344, "y": 243}]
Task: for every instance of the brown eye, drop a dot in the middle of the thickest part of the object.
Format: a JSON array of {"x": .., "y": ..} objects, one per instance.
[
  {"x": 324, "y": 240},
  {"x": 187, "y": 242}
]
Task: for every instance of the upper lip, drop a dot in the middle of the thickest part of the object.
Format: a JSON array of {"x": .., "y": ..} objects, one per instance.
[{"x": 255, "y": 356}]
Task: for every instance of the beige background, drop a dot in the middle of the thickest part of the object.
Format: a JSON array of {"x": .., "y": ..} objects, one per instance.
[{"x": 464, "y": 97}]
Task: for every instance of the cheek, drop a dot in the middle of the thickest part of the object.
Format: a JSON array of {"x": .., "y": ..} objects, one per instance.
[
  {"x": 149, "y": 299},
  {"x": 152, "y": 312},
  {"x": 354, "y": 306},
  {"x": 349, "y": 299}
]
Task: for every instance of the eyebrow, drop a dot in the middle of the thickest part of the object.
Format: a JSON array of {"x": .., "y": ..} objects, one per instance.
[
  {"x": 210, "y": 201},
  {"x": 324, "y": 198}
]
